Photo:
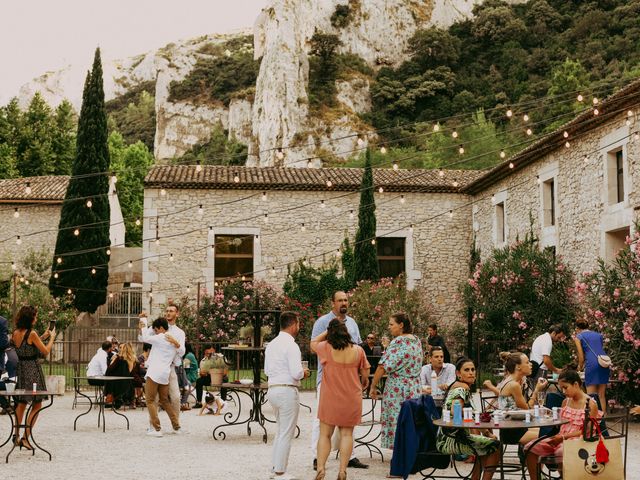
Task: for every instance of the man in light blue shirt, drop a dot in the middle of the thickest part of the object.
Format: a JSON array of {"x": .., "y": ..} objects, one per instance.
[{"x": 339, "y": 306}]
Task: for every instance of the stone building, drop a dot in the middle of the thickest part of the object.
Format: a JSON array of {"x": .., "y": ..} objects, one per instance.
[
  {"x": 30, "y": 209},
  {"x": 573, "y": 188},
  {"x": 263, "y": 219}
]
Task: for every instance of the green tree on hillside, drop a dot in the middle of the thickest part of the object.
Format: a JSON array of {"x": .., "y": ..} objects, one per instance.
[
  {"x": 365, "y": 252},
  {"x": 63, "y": 141},
  {"x": 323, "y": 68},
  {"x": 83, "y": 232},
  {"x": 219, "y": 150}
]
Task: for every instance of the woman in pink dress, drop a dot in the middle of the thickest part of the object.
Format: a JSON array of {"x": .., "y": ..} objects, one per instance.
[
  {"x": 345, "y": 375},
  {"x": 573, "y": 408}
]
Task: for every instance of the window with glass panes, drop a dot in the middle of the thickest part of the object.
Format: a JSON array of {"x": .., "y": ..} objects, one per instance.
[
  {"x": 391, "y": 256},
  {"x": 233, "y": 256}
]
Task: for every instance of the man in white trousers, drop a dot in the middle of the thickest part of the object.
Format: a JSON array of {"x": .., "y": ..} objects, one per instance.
[
  {"x": 339, "y": 306},
  {"x": 283, "y": 366}
]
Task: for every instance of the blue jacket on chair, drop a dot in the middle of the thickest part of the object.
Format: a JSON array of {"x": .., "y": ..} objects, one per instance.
[{"x": 415, "y": 432}]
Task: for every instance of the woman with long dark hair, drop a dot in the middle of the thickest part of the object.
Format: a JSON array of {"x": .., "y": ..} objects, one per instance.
[
  {"x": 29, "y": 347},
  {"x": 345, "y": 375}
]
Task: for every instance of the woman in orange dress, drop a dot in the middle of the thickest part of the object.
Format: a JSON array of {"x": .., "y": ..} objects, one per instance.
[{"x": 345, "y": 375}]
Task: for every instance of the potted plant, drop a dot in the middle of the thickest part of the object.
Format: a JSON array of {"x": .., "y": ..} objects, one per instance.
[{"x": 218, "y": 369}]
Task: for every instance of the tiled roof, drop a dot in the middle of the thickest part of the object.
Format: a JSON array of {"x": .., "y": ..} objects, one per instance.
[
  {"x": 616, "y": 105},
  {"x": 51, "y": 188},
  {"x": 282, "y": 178}
]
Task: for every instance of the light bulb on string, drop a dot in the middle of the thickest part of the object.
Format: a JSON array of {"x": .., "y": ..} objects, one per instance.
[
  {"x": 213, "y": 248},
  {"x": 373, "y": 241},
  {"x": 21, "y": 279},
  {"x": 329, "y": 183},
  {"x": 511, "y": 165},
  {"x": 26, "y": 282},
  {"x": 351, "y": 214},
  {"x": 567, "y": 144},
  {"x": 89, "y": 204},
  {"x": 580, "y": 98},
  {"x": 454, "y": 134},
  {"x": 595, "y": 100},
  {"x": 171, "y": 259},
  {"x": 585, "y": 159},
  {"x": 402, "y": 199},
  {"x": 200, "y": 209},
  {"x": 509, "y": 113},
  {"x": 216, "y": 284},
  {"x": 108, "y": 251},
  {"x": 76, "y": 232},
  {"x": 380, "y": 189},
  {"x": 360, "y": 141},
  {"x": 138, "y": 222},
  {"x": 636, "y": 136},
  {"x": 303, "y": 228},
  {"x": 264, "y": 196},
  {"x": 461, "y": 150},
  {"x": 565, "y": 134},
  {"x": 188, "y": 289},
  {"x": 383, "y": 150},
  {"x": 236, "y": 178},
  {"x": 198, "y": 166},
  {"x": 16, "y": 213},
  {"x": 538, "y": 179},
  {"x": 627, "y": 122},
  {"x": 157, "y": 241},
  {"x": 18, "y": 240},
  {"x": 110, "y": 294},
  {"x": 395, "y": 165},
  {"x": 59, "y": 260},
  {"x": 55, "y": 275},
  {"x": 436, "y": 128},
  {"x": 338, "y": 253},
  {"x": 493, "y": 198},
  {"x": 27, "y": 188},
  {"x": 529, "y": 132},
  {"x": 130, "y": 264},
  {"x": 150, "y": 293},
  {"x": 93, "y": 271},
  {"x": 502, "y": 154},
  {"x": 280, "y": 154},
  {"x": 450, "y": 213},
  {"x": 309, "y": 164},
  {"x": 411, "y": 228},
  {"x": 244, "y": 278},
  {"x": 163, "y": 192},
  {"x": 69, "y": 292},
  {"x": 455, "y": 183},
  {"x": 629, "y": 113},
  {"x": 266, "y": 218},
  {"x": 525, "y": 117},
  {"x": 596, "y": 111},
  {"x": 273, "y": 270},
  {"x": 322, "y": 204},
  {"x": 441, "y": 173},
  {"x": 14, "y": 267}
]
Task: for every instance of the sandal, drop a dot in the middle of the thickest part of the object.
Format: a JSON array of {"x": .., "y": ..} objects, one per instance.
[{"x": 24, "y": 443}]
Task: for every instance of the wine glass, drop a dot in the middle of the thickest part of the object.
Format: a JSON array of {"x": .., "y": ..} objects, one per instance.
[{"x": 541, "y": 397}]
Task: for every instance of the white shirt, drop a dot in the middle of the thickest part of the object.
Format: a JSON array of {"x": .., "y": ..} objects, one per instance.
[
  {"x": 446, "y": 377},
  {"x": 98, "y": 364},
  {"x": 161, "y": 357},
  {"x": 283, "y": 361},
  {"x": 177, "y": 333},
  {"x": 541, "y": 346}
]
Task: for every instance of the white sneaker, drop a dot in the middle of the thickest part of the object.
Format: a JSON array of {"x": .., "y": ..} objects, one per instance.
[{"x": 154, "y": 433}]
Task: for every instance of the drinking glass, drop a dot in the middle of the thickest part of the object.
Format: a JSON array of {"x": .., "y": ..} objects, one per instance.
[{"x": 541, "y": 397}]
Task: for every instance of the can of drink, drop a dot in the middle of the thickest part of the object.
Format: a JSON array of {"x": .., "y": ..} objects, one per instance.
[
  {"x": 554, "y": 411},
  {"x": 527, "y": 417},
  {"x": 35, "y": 387},
  {"x": 477, "y": 418},
  {"x": 446, "y": 416}
]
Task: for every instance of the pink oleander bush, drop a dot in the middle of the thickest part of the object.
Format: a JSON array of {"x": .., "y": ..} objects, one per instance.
[{"x": 609, "y": 299}]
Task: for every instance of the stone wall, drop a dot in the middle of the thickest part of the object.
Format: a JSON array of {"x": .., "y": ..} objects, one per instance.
[
  {"x": 37, "y": 226},
  {"x": 436, "y": 250},
  {"x": 584, "y": 212}
]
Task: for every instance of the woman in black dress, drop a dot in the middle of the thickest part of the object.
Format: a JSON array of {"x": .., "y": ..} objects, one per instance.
[{"x": 29, "y": 347}]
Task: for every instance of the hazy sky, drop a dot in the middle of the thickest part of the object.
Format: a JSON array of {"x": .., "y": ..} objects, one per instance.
[{"x": 37, "y": 36}]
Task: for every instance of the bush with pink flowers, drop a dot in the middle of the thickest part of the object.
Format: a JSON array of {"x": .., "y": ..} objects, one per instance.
[{"x": 609, "y": 299}]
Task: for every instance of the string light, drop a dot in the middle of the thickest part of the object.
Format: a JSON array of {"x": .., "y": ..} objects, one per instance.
[
  {"x": 18, "y": 240},
  {"x": 502, "y": 154},
  {"x": 110, "y": 294},
  {"x": 454, "y": 134},
  {"x": 243, "y": 278},
  {"x": 565, "y": 134},
  {"x": 329, "y": 183},
  {"x": 76, "y": 232},
  {"x": 264, "y": 196},
  {"x": 138, "y": 222},
  {"x": 567, "y": 144},
  {"x": 213, "y": 248},
  {"x": 511, "y": 165},
  {"x": 636, "y": 136},
  {"x": 493, "y": 198},
  {"x": 27, "y": 189},
  {"x": 130, "y": 264},
  {"x": 402, "y": 199},
  {"x": 309, "y": 163},
  {"x": 322, "y": 204},
  {"x": 450, "y": 213},
  {"x": 93, "y": 271},
  {"x": 150, "y": 293},
  {"x": 157, "y": 241},
  {"x": 108, "y": 251},
  {"x": 69, "y": 292},
  {"x": 580, "y": 97},
  {"x": 55, "y": 275},
  {"x": 455, "y": 183},
  {"x": 529, "y": 131},
  {"x": 373, "y": 241},
  {"x": 89, "y": 204},
  {"x": 436, "y": 128},
  {"x": 595, "y": 100},
  {"x": 383, "y": 150},
  {"x": 163, "y": 192},
  {"x": 171, "y": 259},
  {"x": 266, "y": 218},
  {"x": 380, "y": 189},
  {"x": 273, "y": 270},
  {"x": 509, "y": 113},
  {"x": 538, "y": 179},
  {"x": 338, "y": 253},
  {"x": 627, "y": 122},
  {"x": 411, "y": 228},
  {"x": 629, "y": 113},
  {"x": 525, "y": 117},
  {"x": 351, "y": 214},
  {"x": 236, "y": 178},
  {"x": 26, "y": 282},
  {"x": 441, "y": 173},
  {"x": 14, "y": 267},
  {"x": 280, "y": 154},
  {"x": 360, "y": 141},
  {"x": 395, "y": 165},
  {"x": 461, "y": 150},
  {"x": 16, "y": 213},
  {"x": 585, "y": 159},
  {"x": 596, "y": 111},
  {"x": 200, "y": 209},
  {"x": 303, "y": 228},
  {"x": 198, "y": 166}
]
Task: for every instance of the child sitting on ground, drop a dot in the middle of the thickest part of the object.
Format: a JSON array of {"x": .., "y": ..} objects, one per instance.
[{"x": 212, "y": 405}]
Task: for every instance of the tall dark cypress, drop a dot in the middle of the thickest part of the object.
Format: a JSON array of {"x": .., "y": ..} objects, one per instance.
[
  {"x": 365, "y": 252},
  {"x": 83, "y": 233}
]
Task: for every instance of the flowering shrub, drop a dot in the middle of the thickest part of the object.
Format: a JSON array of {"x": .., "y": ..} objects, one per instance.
[
  {"x": 228, "y": 309},
  {"x": 610, "y": 299},
  {"x": 372, "y": 303},
  {"x": 517, "y": 293}
]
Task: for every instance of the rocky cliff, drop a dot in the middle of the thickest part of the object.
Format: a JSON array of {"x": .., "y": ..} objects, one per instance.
[{"x": 277, "y": 114}]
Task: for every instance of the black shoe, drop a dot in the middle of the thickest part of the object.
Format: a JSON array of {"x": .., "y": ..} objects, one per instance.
[
  {"x": 355, "y": 463},
  {"x": 315, "y": 464},
  {"x": 197, "y": 405}
]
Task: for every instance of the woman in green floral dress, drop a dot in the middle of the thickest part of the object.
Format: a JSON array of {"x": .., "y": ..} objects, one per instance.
[
  {"x": 462, "y": 441},
  {"x": 402, "y": 362}
]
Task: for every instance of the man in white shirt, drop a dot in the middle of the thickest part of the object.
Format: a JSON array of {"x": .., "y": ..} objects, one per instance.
[
  {"x": 283, "y": 366},
  {"x": 541, "y": 350},
  {"x": 159, "y": 367},
  {"x": 445, "y": 374},
  {"x": 98, "y": 364},
  {"x": 339, "y": 306}
]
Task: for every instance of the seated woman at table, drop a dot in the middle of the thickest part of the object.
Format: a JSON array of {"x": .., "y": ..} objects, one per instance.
[
  {"x": 124, "y": 364},
  {"x": 573, "y": 408},
  {"x": 402, "y": 362},
  {"x": 29, "y": 347},
  {"x": 461, "y": 441},
  {"x": 510, "y": 396}
]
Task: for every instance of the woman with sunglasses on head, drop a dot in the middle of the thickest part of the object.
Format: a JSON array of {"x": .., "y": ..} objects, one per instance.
[{"x": 460, "y": 441}]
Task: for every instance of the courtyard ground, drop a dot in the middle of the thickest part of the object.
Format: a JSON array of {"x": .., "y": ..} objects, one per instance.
[{"x": 121, "y": 454}]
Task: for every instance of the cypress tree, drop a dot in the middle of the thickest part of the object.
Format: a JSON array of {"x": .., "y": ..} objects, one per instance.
[
  {"x": 83, "y": 232},
  {"x": 365, "y": 252}
]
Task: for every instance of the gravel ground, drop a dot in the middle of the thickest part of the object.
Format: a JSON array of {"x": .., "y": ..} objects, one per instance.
[{"x": 123, "y": 454}]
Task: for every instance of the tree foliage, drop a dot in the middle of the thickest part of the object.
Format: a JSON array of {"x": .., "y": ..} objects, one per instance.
[
  {"x": 323, "y": 68},
  {"x": 365, "y": 252},
  {"x": 86, "y": 229},
  {"x": 219, "y": 150},
  {"x": 134, "y": 114}
]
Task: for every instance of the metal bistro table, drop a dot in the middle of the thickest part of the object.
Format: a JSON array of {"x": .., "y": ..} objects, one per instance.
[
  {"x": 504, "y": 425},
  {"x": 24, "y": 426},
  {"x": 100, "y": 400}
]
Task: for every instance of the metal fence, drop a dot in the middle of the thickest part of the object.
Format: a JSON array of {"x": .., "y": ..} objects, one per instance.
[{"x": 122, "y": 307}]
